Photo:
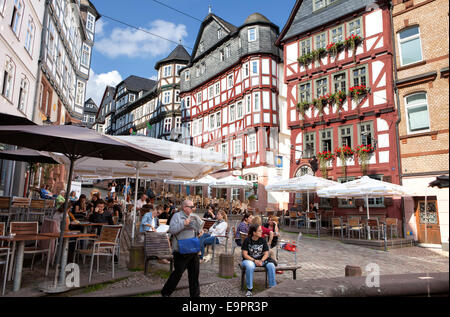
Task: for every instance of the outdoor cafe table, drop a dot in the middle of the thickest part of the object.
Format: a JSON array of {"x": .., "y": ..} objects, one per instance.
[
  {"x": 86, "y": 224},
  {"x": 67, "y": 236},
  {"x": 20, "y": 252}
]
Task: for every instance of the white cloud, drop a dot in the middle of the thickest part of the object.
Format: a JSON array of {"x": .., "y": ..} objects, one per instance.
[
  {"x": 154, "y": 77},
  {"x": 99, "y": 27},
  {"x": 135, "y": 43},
  {"x": 98, "y": 82}
]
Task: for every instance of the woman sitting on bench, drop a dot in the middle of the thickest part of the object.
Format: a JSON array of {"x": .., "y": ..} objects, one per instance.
[
  {"x": 214, "y": 235},
  {"x": 255, "y": 252}
]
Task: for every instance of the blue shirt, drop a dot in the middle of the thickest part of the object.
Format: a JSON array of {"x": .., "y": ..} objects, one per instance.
[{"x": 148, "y": 219}]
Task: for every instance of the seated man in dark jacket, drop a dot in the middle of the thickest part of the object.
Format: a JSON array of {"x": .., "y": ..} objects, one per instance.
[{"x": 100, "y": 216}]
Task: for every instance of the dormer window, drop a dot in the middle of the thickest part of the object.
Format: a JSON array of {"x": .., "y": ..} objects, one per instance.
[
  {"x": 252, "y": 34},
  {"x": 319, "y": 4},
  {"x": 219, "y": 34},
  {"x": 187, "y": 75},
  {"x": 200, "y": 47}
]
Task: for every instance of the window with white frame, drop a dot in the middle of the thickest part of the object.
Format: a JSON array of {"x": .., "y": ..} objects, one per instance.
[
  {"x": 239, "y": 110},
  {"x": 321, "y": 87},
  {"x": 310, "y": 144},
  {"x": 232, "y": 113},
  {"x": 337, "y": 34},
  {"x": 211, "y": 92},
  {"x": 203, "y": 68},
  {"x": 177, "y": 96},
  {"x": 197, "y": 71},
  {"x": 200, "y": 126},
  {"x": 90, "y": 22},
  {"x": 217, "y": 89},
  {"x": 237, "y": 147},
  {"x": 320, "y": 40},
  {"x": 16, "y": 16},
  {"x": 305, "y": 47},
  {"x": 30, "y": 36},
  {"x": 219, "y": 33},
  {"x": 187, "y": 75},
  {"x": 85, "y": 55},
  {"x": 178, "y": 67},
  {"x": 319, "y": 4},
  {"x": 80, "y": 93},
  {"x": 248, "y": 103},
  {"x": 166, "y": 97},
  {"x": 8, "y": 77},
  {"x": 354, "y": 27},
  {"x": 167, "y": 71},
  {"x": 224, "y": 149},
  {"x": 132, "y": 97},
  {"x": 178, "y": 123},
  {"x": 195, "y": 128},
  {"x": 251, "y": 143},
  {"x": 230, "y": 81},
  {"x": 359, "y": 76},
  {"x": 222, "y": 55},
  {"x": 256, "y": 101},
  {"x": 246, "y": 70},
  {"x": 199, "y": 97},
  {"x": 304, "y": 92},
  {"x": 218, "y": 120},
  {"x": 22, "y": 95},
  {"x": 188, "y": 102},
  {"x": 167, "y": 125},
  {"x": 410, "y": 46},
  {"x": 417, "y": 115},
  {"x": 255, "y": 66},
  {"x": 252, "y": 34},
  {"x": 212, "y": 122},
  {"x": 227, "y": 51},
  {"x": 51, "y": 39}
]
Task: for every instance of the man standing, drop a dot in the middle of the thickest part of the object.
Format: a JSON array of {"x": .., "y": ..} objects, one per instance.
[{"x": 184, "y": 225}]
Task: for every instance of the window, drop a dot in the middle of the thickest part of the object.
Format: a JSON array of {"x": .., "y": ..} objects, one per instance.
[
  {"x": 199, "y": 97},
  {"x": 218, "y": 120},
  {"x": 365, "y": 134},
  {"x": 340, "y": 82},
  {"x": 224, "y": 149},
  {"x": 240, "y": 110},
  {"x": 187, "y": 75},
  {"x": 232, "y": 113},
  {"x": 178, "y": 123},
  {"x": 230, "y": 81},
  {"x": 211, "y": 122},
  {"x": 91, "y": 119},
  {"x": 235, "y": 193},
  {"x": 305, "y": 47},
  {"x": 320, "y": 41},
  {"x": 195, "y": 128},
  {"x": 90, "y": 22},
  {"x": 2, "y": 5},
  {"x": 211, "y": 92},
  {"x": 197, "y": 71},
  {"x": 85, "y": 55},
  {"x": 168, "y": 71},
  {"x": 337, "y": 34},
  {"x": 8, "y": 76},
  {"x": 310, "y": 145},
  {"x": 256, "y": 101},
  {"x": 132, "y": 97},
  {"x": 219, "y": 34},
  {"x": 16, "y": 16},
  {"x": 85, "y": 118},
  {"x": 201, "y": 47},
  {"x": 417, "y": 112},
  {"x": 188, "y": 102},
  {"x": 252, "y": 34},
  {"x": 177, "y": 96},
  {"x": 80, "y": 93},
  {"x": 200, "y": 126},
  {"x": 359, "y": 76},
  {"x": 321, "y": 87},
  {"x": 410, "y": 46},
  {"x": 246, "y": 70},
  {"x": 248, "y": 99},
  {"x": 345, "y": 136},
  {"x": 375, "y": 202},
  {"x": 227, "y": 51},
  {"x": 202, "y": 68},
  {"x": 222, "y": 55},
  {"x": 326, "y": 140},
  {"x": 254, "y": 67},
  {"x": 251, "y": 143},
  {"x": 22, "y": 95},
  {"x": 178, "y": 67},
  {"x": 237, "y": 147},
  {"x": 346, "y": 203},
  {"x": 354, "y": 27},
  {"x": 167, "y": 125},
  {"x": 217, "y": 89},
  {"x": 30, "y": 36},
  {"x": 304, "y": 92},
  {"x": 166, "y": 97}
]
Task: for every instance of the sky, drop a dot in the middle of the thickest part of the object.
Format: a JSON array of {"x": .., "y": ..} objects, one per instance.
[{"x": 121, "y": 51}]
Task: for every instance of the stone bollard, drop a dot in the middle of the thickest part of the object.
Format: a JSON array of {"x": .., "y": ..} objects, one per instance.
[
  {"x": 137, "y": 257},
  {"x": 353, "y": 271},
  {"x": 226, "y": 265}
]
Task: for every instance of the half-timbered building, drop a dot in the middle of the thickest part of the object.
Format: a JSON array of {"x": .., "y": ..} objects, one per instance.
[{"x": 339, "y": 75}]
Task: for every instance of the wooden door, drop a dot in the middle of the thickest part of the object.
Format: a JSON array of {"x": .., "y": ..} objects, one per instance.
[{"x": 428, "y": 222}]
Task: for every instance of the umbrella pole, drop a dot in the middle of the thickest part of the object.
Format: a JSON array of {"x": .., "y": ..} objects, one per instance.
[
  {"x": 135, "y": 201},
  {"x": 63, "y": 226},
  {"x": 368, "y": 227}
]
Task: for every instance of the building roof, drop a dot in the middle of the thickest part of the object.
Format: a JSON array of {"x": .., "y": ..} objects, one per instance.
[
  {"x": 303, "y": 19},
  {"x": 179, "y": 54},
  {"x": 136, "y": 83},
  {"x": 256, "y": 18}
]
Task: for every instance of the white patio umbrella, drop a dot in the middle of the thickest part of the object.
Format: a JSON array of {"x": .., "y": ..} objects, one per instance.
[
  {"x": 366, "y": 188},
  {"x": 302, "y": 184},
  {"x": 204, "y": 181},
  {"x": 186, "y": 162}
]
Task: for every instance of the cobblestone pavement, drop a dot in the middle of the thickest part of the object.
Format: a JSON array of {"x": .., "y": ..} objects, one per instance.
[{"x": 319, "y": 258}]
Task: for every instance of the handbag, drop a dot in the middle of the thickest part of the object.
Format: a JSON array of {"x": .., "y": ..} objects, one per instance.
[{"x": 188, "y": 246}]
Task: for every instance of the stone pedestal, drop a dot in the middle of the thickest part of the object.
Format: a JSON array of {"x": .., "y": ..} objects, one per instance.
[
  {"x": 226, "y": 265},
  {"x": 137, "y": 258},
  {"x": 353, "y": 271}
]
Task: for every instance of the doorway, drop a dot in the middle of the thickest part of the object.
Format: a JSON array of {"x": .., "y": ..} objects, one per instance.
[{"x": 428, "y": 228}]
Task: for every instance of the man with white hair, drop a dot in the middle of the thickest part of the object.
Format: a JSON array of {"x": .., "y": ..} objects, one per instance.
[{"x": 184, "y": 225}]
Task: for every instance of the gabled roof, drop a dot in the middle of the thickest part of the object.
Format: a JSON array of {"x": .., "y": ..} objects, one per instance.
[
  {"x": 137, "y": 84},
  {"x": 179, "y": 54},
  {"x": 90, "y": 101},
  {"x": 303, "y": 19}
]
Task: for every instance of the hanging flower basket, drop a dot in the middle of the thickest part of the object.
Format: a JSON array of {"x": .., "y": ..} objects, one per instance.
[
  {"x": 363, "y": 153},
  {"x": 320, "y": 103},
  {"x": 318, "y": 54},
  {"x": 353, "y": 41},
  {"x": 335, "y": 48},
  {"x": 305, "y": 59},
  {"x": 325, "y": 157},
  {"x": 339, "y": 99},
  {"x": 303, "y": 106},
  {"x": 344, "y": 153},
  {"x": 357, "y": 92}
]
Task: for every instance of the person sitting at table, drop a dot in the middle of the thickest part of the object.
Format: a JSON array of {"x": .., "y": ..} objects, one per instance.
[
  {"x": 73, "y": 196},
  {"x": 163, "y": 213},
  {"x": 210, "y": 213},
  {"x": 272, "y": 225},
  {"x": 255, "y": 252},
  {"x": 172, "y": 211},
  {"x": 214, "y": 235},
  {"x": 58, "y": 216},
  {"x": 150, "y": 221},
  {"x": 312, "y": 207},
  {"x": 243, "y": 228},
  {"x": 60, "y": 199},
  {"x": 141, "y": 202},
  {"x": 99, "y": 215},
  {"x": 79, "y": 208},
  {"x": 93, "y": 203},
  {"x": 114, "y": 197},
  {"x": 46, "y": 193}
]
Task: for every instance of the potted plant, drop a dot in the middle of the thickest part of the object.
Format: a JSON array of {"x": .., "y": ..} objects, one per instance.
[
  {"x": 363, "y": 153},
  {"x": 324, "y": 157},
  {"x": 357, "y": 92},
  {"x": 344, "y": 153},
  {"x": 352, "y": 42},
  {"x": 339, "y": 99},
  {"x": 303, "y": 106},
  {"x": 320, "y": 103},
  {"x": 318, "y": 54},
  {"x": 335, "y": 47},
  {"x": 305, "y": 59}
]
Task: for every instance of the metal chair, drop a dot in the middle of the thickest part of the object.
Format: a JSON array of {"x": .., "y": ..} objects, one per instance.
[
  {"x": 6, "y": 212},
  {"x": 375, "y": 227},
  {"x": 105, "y": 245},
  {"x": 36, "y": 210},
  {"x": 21, "y": 206},
  {"x": 354, "y": 224},
  {"x": 5, "y": 253},
  {"x": 338, "y": 224},
  {"x": 293, "y": 218},
  {"x": 392, "y": 224}
]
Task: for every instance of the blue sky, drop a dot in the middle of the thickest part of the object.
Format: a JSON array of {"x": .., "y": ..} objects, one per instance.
[{"x": 121, "y": 51}]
